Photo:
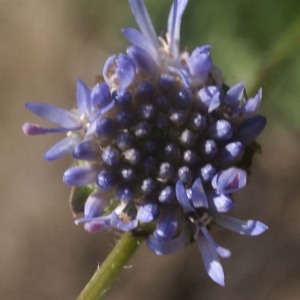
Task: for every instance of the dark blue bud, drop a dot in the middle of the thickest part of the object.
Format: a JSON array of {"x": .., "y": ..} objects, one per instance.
[
  {"x": 197, "y": 122},
  {"x": 125, "y": 140},
  {"x": 190, "y": 158},
  {"x": 100, "y": 95},
  {"x": 106, "y": 180},
  {"x": 234, "y": 95},
  {"x": 111, "y": 156},
  {"x": 87, "y": 150},
  {"x": 145, "y": 92},
  {"x": 148, "y": 166},
  {"x": 148, "y": 186},
  {"x": 128, "y": 174},
  {"x": 172, "y": 153},
  {"x": 200, "y": 63},
  {"x": 146, "y": 111},
  {"x": 167, "y": 225},
  {"x": 184, "y": 98},
  {"x": 178, "y": 117},
  {"x": 207, "y": 172},
  {"x": 81, "y": 175},
  {"x": 209, "y": 148},
  {"x": 250, "y": 129},
  {"x": 142, "y": 130},
  {"x": 94, "y": 204},
  {"x": 166, "y": 172},
  {"x": 188, "y": 138},
  {"x": 124, "y": 118},
  {"x": 167, "y": 82},
  {"x": 105, "y": 127},
  {"x": 147, "y": 212},
  {"x": 185, "y": 175},
  {"x": 125, "y": 194},
  {"x": 161, "y": 121},
  {"x": 167, "y": 195},
  {"x": 122, "y": 97},
  {"x": 162, "y": 103},
  {"x": 148, "y": 146},
  {"x": 220, "y": 130},
  {"x": 132, "y": 156},
  {"x": 231, "y": 153}
]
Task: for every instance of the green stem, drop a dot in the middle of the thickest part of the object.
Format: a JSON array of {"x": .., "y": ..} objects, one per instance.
[
  {"x": 283, "y": 49},
  {"x": 105, "y": 275}
]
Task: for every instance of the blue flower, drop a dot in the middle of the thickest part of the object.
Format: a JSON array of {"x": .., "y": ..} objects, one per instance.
[
  {"x": 200, "y": 214},
  {"x": 162, "y": 141},
  {"x": 78, "y": 124}
]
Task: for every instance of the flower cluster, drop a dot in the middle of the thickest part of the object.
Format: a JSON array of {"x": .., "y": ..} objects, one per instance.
[{"x": 162, "y": 142}]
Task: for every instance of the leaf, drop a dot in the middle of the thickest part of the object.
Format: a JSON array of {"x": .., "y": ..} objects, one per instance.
[{"x": 77, "y": 198}]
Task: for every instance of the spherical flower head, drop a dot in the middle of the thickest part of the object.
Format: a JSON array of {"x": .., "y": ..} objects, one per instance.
[{"x": 162, "y": 143}]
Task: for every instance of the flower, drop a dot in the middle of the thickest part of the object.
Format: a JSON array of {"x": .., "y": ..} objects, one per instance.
[
  {"x": 162, "y": 142},
  {"x": 78, "y": 124},
  {"x": 199, "y": 214}
]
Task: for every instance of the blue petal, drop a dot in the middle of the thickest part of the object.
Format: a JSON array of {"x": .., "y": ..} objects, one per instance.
[
  {"x": 209, "y": 97},
  {"x": 234, "y": 95},
  {"x": 36, "y": 129},
  {"x": 174, "y": 24},
  {"x": 220, "y": 130},
  {"x": 250, "y": 129},
  {"x": 109, "y": 70},
  {"x": 142, "y": 59},
  {"x": 81, "y": 175},
  {"x": 220, "y": 202},
  {"x": 118, "y": 223},
  {"x": 198, "y": 194},
  {"x": 142, "y": 18},
  {"x": 95, "y": 224},
  {"x": 148, "y": 212},
  {"x": 231, "y": 153},
  {"x": 94, "y": 204},
  {"x": 63, "y": 147},
  {"x": 200, "y": 63},
  {"x": 139, "y": 40},
  {"x": 101, "y": 96},
  {"x": 162, "y": 247},
  {"x": 182, "y": 197},
  {"x": 84, "y": 101},
  {"x": 184, "y": 76},
  {"x": 87, "y": 150},
  {"x": 229, "y": 181},
  {"x": 54, "y": 114},
  {"x": 125, "y": 70},
  {"x": 252, "y": 104},
  {"x": 248, "y": 227},
  {"x": 215, "y": 102},
  {"x": 210, "y": 259},
  {"x": 167, "y": 225},
  {"x": 223, "y": 252}
]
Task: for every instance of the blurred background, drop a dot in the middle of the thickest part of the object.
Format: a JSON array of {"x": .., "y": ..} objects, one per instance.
[{"x": 44, "y": 47}]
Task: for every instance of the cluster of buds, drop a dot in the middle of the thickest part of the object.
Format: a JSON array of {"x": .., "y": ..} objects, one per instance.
[{"x": 161, "y": 143}]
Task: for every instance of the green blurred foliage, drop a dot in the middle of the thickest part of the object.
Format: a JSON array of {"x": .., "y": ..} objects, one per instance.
[{"x": 243, "y": 34}]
